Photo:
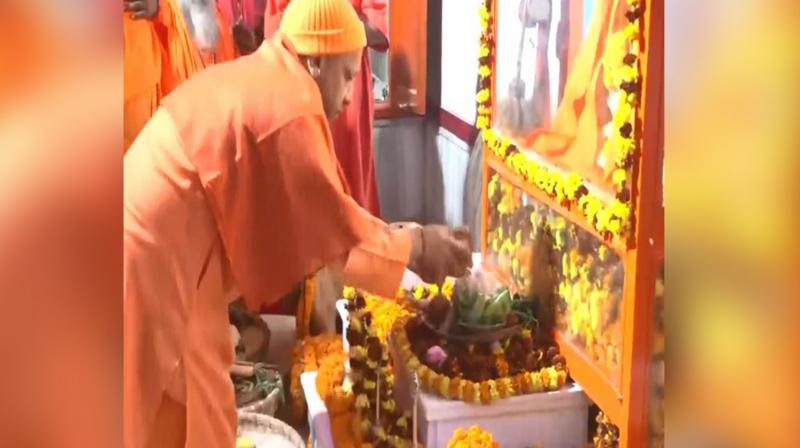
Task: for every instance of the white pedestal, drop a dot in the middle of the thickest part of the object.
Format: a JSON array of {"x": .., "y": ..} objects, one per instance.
[
  {"x": 550, "y": 419},
  {"x": 319, "y": 422}
]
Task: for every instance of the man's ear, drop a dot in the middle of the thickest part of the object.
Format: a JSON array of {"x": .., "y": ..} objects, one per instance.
[{"x": 313, "y": 65}]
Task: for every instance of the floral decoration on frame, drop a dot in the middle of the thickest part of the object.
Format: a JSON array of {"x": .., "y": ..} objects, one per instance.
[{"x": 622, "y": 77}]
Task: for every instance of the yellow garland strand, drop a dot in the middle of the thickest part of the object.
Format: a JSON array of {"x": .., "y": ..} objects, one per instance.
[{"x": 485, "y": 392}]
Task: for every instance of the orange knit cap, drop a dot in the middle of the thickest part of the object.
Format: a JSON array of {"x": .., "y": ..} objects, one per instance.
[{"x": 322, "y": 27}]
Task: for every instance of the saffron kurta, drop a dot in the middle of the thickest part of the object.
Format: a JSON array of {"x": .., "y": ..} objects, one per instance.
[
  {"x": 230, "y": 190},
  {"x": 352, "y": 130}
]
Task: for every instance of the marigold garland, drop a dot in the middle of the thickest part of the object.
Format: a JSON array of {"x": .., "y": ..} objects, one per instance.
[
  {"x": 372, "y": 377},
  {"x": 484, "y": 392},
  {"x": 307, "y": 356},
  {"x": 622, "y": 77}
]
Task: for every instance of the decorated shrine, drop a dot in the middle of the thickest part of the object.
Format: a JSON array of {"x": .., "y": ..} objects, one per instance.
[{"x": 555, "y": 336}]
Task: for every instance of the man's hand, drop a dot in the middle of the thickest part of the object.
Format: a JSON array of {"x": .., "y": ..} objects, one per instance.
[
  {"x": 375, "y": 38},
  {"x": 141, "y": 9},
  {"x": 439, "y": 252}
]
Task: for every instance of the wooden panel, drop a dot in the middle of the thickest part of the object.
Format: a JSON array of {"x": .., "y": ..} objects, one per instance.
[
  {"x": 592, "y": 379},
  {"x": 626, "y": 405},
  {"x": 408, "y": 56},
  {"x": 640, "y": 264}
]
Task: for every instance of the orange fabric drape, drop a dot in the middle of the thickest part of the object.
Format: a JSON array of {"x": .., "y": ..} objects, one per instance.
[
  {"x": 182, "y": 57},
  {"x": 160, "y": 54},
  {"x": 574, "y": 138},
  {"x": 143, "y": 55},
  {"x": 305, "y": 308},
  {"x": 226, "y": 47}
]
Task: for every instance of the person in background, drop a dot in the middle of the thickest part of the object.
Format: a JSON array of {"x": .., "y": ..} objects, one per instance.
[
  {"x": 247, "y": 17},
  {"x": 165, "y": 43},
  {"x": 237, "y": 191},
  {"x": 211, "y": 31},
  {"x": 352, "y": 130},
  {"x": 143, "y": 57}
]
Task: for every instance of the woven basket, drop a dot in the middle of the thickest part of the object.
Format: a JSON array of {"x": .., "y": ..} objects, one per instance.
[
  {"x": 265, "y": 406},
  {"x": 268, "y": 432}
]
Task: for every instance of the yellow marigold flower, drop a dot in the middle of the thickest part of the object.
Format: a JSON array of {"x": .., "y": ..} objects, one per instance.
[
  {"x": 623, "y": 147},
  {"x": 447, "y": 287},
  {"x": 552, "y": 376},
  {"x": 484, "y": 71},
  {"x": 433, "y": 291},
  {"x": 562, "y": 377},
  {"x": 358, "y": 352},
  {"x": 602, "y": 252},
  {"x": 456, "y": 389},
  {"x": 489, "y": 136},
  {"x": 485, "y": 392},
  {"x": 362, "y": 401},
  {"x": 483, "y": 95},
  {"x": 508, "y": 247},
  {"x": 483, "y": 11},
  {"x": 505, "y": 387},
  {"x": 471, "y": 391},
  {"x": 614, "y": 226},
  {"x": 603, "y": 217},
  {"x": 573, "y": 270},
  {"x": 388, "y": 405},
  {"x": 482, "y": 122},
  {"x": 492, "y": 188},
  {"x": 349, "y": 292},
  {"x": 620, "y": 209},
  {"x": 536, "y": 381},
  {"x": 402, "y": 422},
  {"x": 444, "y": 386},
  {"x": 540, "y": 178},
  {"x": 419, "y": 291},
  {"x": 623, "y": 114},
  {"x": 632, "y": 30},
  {"x": 593, "y": 206},
  {"x": 619, "y": 177},
  {"x": 571, "y": 184},
  {"x": 625, "y": 73}
]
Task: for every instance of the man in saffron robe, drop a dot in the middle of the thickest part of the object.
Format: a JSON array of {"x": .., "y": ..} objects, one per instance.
[
  {"x": 237, "y": 190},
  {"x": 352, "y": 130}
]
